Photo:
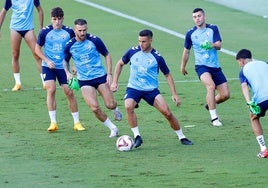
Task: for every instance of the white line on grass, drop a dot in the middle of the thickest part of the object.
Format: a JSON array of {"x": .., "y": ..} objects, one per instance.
[
  {"x": 121, "y": 84},
  {"x": 135, "y": 19},
  {"x": 132, "y": 18}
]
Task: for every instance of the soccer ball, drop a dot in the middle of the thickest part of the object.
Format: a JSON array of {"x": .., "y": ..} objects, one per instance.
[{"x": 124, "y": 143}]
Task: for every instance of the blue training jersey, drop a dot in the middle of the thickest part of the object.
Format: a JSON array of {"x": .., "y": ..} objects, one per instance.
[
  {"x": 255, "y": 75},
  {"x": 144, "y": 68},
  {"x": 195, "y": 37},
  {"x": 22, "y": 17},
  {"x": 87, "y": 57},
  {"x": 54, "y": 41}
]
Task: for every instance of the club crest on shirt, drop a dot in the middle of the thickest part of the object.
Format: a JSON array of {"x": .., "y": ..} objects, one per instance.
[
  {"x": 63, "y": 36},
  {"x": 88, "y": 47},
  {"x": 149, "y": 61}
]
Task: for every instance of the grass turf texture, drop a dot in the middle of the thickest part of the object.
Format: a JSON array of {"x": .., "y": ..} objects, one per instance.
[{"x": 221, "y": 157}]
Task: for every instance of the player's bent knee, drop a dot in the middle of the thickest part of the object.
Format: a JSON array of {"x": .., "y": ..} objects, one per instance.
[{"x": 111, "y": 105}]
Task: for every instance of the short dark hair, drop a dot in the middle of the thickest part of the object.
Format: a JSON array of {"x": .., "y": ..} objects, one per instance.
[
  {"x": 198, "y": 9},
  {"x": 80, "y": 21},
  {"x": 57, "y": 12},
  {"x": 146, "y": 33},
  {"x": 243, "y": 54}
]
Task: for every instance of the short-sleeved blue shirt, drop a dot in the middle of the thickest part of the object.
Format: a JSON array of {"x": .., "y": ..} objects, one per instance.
[
  {"x": 255, "y": 74},
  {"x": 22, "y": 17},
  {"x": 54, "y": 42},
  {"x": 87, "y": 57},
  {"x": 144, "y": 68},
  {"x": 195, "y": 37}
]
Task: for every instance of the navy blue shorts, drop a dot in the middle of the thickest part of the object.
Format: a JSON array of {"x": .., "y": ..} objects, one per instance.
[
  {"x": 23, "y": 33},
  {"x": 53, "y": 74},
  {"x": 264, "y": 107},
  {"x": 137, "y": 95},
  {"x": 94, "y": 82},
  {"x": 216, "y": 73}
]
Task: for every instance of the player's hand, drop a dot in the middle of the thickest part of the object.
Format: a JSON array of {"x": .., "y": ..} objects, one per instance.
[
  {"x": 206, "y": 45},
  {"x": 176, "y": 99},
  {"x": 109, "y": 79},
  {"x": 184, "y": 71},
  {"x": 254, "y": 107},
  {"x": 114, "y": 87},
  {"x": 69, "y": 75},
  {"x": 50, "y": 64}
]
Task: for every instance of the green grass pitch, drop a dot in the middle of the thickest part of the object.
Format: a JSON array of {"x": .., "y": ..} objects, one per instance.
[{"x": 220, "y": 157}]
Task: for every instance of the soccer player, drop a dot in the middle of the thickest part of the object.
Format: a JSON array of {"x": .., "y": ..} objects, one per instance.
[
  {"x": 53, "y": 38},
  {"x": 253, "y": 75},
  {"x": 145, "y": 63},
  {"x": 22, "y": 26},
  {"x": 86, "y": 50},
  {"x": 205, "y": 40}
]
